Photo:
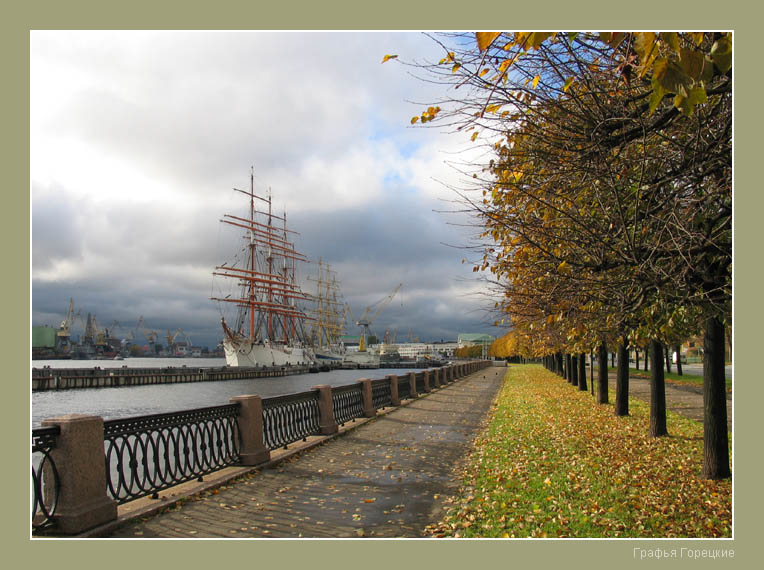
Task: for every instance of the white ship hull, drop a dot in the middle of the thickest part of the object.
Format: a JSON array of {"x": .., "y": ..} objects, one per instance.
[
  {"x": 247, "y": 353},
  {"x": 328, "y": 354},
  {"x": 362, "y": 359}
]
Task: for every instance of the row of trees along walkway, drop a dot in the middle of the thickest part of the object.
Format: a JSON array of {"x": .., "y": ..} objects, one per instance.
[{"x": 606, "y": 204}]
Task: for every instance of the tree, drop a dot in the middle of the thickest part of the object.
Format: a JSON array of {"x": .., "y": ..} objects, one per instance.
[
  {"x": 609, "y": 194},
  {"x": 469, "y": 352}
]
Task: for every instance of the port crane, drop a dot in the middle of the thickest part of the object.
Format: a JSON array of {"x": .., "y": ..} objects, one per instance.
[
  {"x": 390, "y": 336},
  {"x": 371, "y": 313},
  {"x": 151, "y": 336},
  {"x": 94, "y": 335},
  {"x": 172, "y": 337},
  {"x": 64, "y": 332}
]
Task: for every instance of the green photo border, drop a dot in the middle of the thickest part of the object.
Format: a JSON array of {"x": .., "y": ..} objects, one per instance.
[{"x": 20, "y": 18}]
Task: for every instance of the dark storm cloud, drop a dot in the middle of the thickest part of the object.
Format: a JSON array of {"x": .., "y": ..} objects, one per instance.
[{"x": 398, "y": 240}]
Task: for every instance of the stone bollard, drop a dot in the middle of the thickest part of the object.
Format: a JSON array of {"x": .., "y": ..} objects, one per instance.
[
  {"x": 79, "y": 458},
  {"x": 250, "y": 422},
  {"x": 427, "y": 387},
  {"x": 369, "y": 411},
  {"x": 394, "y": 398},
  {"x": 326, "y": 410},
  {"x": 412, "y": 385}
]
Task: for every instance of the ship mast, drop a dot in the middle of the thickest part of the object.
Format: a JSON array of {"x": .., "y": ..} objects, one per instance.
[
  {"x": 289, "y": 278},
  {"x": 252, "y": 254},
  {"x": 268, "y": 296},
  {"x": 329, "y": 319},
  {"x": 270, "y": 266}
]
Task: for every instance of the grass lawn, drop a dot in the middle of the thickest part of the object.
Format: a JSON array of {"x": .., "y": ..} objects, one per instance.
[{"x": 554, "y": 463}]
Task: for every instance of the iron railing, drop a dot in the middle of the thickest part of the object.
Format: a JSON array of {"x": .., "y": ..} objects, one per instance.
[
  {"x": 419, "y": 382},
  {"x": 404, "y": 387},
  {"x": 347, "y": 402},
  {"x": 147, "y": 454},
  {"x": 381, "y": 393},
  {"x": 290, "y": 418},
  {"x": 45, "y": 481}
]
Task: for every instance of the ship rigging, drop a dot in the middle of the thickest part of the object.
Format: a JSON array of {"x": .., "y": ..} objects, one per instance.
[{"x": 269, "y": 327}]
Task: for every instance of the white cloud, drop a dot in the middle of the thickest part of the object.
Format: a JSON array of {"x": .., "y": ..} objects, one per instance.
[{"x": 138, "y": 137}]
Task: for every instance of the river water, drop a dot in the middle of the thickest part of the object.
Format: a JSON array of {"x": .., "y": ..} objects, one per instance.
[{"x": 128, "y": 401}]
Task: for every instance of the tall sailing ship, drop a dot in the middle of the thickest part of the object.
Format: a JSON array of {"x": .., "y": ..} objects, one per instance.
[
  {"x": 329, "y": 317},
  {"x": 269, "y": 328}
]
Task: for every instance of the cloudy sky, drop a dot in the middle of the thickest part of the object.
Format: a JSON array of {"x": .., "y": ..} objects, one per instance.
[{"x": 137, "y": 139}]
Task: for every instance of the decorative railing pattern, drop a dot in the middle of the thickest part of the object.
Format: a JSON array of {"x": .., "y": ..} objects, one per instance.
[
  {"x": 420, "y": 383},
  {"x": 287, "y": 419},
  {"x": 45, "y": 481},
  {"x": 404, "y": 387},
  {"x": 381, "y": 394},
  {"x": 147, "y": 454},
  {"x": 347, "y": 402}
]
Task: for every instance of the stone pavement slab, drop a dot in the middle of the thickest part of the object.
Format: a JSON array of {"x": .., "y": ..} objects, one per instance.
[{"x": 387, "y": 478}]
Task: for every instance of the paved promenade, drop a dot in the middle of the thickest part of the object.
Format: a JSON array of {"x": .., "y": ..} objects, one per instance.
[{"x": 387, "y": 478}]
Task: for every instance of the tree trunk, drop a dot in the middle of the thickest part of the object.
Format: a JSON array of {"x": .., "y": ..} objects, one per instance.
[
  {"x": 668, "y": 358},
  {"x": 677, "y": 350},
  {"x": 582, "y": 372},
  {"x": 612, "y": 359},
  {"x": 602, "y": 374},
  {"x": 636, "y": 357},
  {"x": 716, "y": 461},
  {"x": 647, "y": 356},
  {"x": 591, "y": 370},
  {"x": 574, "y": 369},
  {"x": 622, "y": 380},
  {"x": 568, "y": 366},
  {"x": 657, "y": 391}
]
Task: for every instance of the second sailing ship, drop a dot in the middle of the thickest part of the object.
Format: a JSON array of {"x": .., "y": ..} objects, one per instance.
[{"x": 329, "y": 314}]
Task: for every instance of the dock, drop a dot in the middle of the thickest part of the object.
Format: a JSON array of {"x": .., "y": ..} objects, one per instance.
[{"x": 68, "y": 378}]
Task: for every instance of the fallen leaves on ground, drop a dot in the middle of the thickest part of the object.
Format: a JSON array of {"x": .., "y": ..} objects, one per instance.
[{"x": 553, "y": 463}]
